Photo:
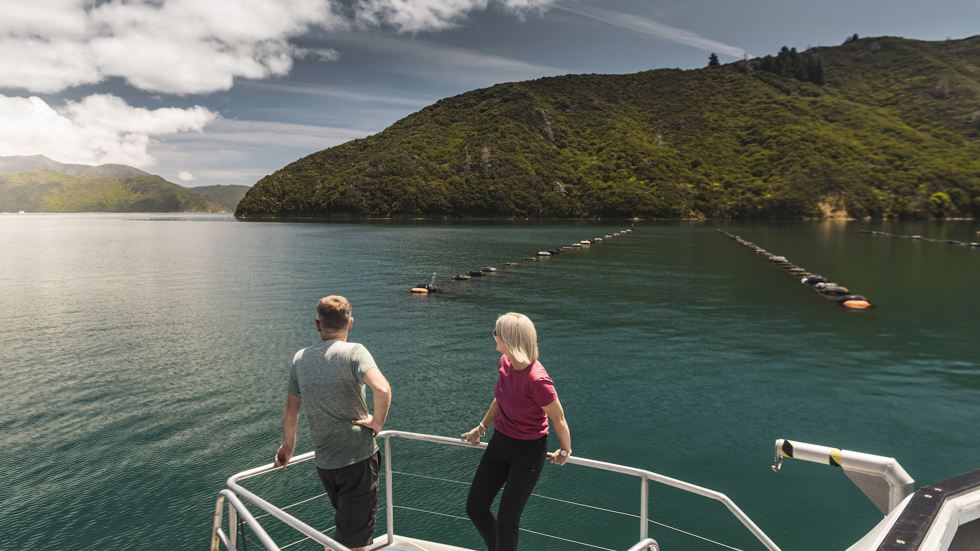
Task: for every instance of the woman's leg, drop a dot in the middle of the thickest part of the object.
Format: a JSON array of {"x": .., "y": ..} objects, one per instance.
[
  {"x": 525, "y": 468},
  {"x": 489, "y": 477}
]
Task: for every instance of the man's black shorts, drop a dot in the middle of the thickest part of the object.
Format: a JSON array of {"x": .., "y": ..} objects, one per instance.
[{"x": 353, "y": 491}]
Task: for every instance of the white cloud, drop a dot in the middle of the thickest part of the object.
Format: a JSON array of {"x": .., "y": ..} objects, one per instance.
[
  {"x": 265, "y": 133},
  {"x": 412, "y": 16},
  {"x": 174, "y": 46},
  {"x": 446, "y": 64},
  {"x": 433, "y": 15},
  {"x": 353, "y": 96},
  {"x": 241, "y": 152},
  {"x": 193, "y": 46},
  {"x": 319, "y": 54},
  {"x": 45, "y": 66},
  {"x": 415, "y": 16},
  {"x": 99, "y": 129},
  {"x": 650, "y": 27},
  {"x": 43, "y": 18},
  {"x": 238, "y": 177},
  {"x": 185, "y": 176}
]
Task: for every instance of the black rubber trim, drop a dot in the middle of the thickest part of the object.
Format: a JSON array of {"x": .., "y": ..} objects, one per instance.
[
  {"x": 910, "y": 529},
  {"x": 788, "y": 448},
  {"x": 832, "y": 462}
]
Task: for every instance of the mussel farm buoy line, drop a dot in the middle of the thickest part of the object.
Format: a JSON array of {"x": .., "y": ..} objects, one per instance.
[
  {"x": 840, "y": 294},
  {"x": 920, "y": 238},
  {"x": 426, "y": 288}
]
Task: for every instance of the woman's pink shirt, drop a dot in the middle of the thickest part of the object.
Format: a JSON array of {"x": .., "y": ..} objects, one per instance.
[{"x": 520, "y": 396}]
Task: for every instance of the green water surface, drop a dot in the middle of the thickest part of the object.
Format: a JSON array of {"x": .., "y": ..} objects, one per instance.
[{"x": 143, "y": 360}]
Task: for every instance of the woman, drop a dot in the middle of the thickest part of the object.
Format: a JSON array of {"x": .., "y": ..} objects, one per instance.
[{"x": 524, "y": 399}]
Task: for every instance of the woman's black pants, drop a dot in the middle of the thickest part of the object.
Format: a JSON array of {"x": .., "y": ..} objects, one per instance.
[{"x": 517, "y": 463}]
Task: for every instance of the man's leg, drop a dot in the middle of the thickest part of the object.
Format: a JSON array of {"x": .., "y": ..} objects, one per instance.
[{"x": 353, "y": 492}]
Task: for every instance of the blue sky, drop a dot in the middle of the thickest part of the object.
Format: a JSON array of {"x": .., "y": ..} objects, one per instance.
[{"x": 226, "y": 91}]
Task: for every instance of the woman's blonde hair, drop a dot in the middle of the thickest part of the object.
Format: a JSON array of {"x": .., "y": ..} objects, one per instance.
[{"x": 517, "y": 333}]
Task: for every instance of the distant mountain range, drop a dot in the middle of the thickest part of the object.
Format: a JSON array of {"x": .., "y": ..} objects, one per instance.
[
  {"x": 227, "y": 196},
  {"x": 34, "y": 162},
  {"x": 876, "y": 127},
  {"x": 38, "y": 184}
]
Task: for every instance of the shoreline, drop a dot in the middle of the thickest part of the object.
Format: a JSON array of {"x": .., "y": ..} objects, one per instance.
[{"x": 593, "y": 218}]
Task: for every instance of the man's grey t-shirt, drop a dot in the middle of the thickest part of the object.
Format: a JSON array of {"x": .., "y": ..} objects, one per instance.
[{"x": 329, "y": 377}]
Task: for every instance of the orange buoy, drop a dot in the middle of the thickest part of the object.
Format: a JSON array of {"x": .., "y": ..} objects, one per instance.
[
  {"x": 857, "y": 304},
  {"x": 419, "y": 290}
]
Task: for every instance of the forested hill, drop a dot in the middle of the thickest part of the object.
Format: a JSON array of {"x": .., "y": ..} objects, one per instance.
[
  {"x": 228, "y": 196},
  {"x": 35, "y": 183},
  {"x": 893, "y": 130},
  {"x": 41, "y": 190}
]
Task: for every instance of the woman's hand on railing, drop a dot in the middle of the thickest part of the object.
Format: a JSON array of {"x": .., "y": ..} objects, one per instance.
[
  {"x": 557, "y": 458},
  {"x": 473, "y": 436}
]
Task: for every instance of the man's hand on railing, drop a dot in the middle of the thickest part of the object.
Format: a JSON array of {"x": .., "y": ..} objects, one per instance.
[{"x": 283, "y": 456}]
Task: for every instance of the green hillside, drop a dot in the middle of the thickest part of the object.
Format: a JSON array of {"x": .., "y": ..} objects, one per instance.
[
  {"x": 23, "y": 163},
  {"x": 893, "y": 131},
  {"x": 48, "y": 191},
  {"x": 227, "y": 196}
]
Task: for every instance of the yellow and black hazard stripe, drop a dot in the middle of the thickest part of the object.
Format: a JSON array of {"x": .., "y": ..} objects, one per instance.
[
  {"x": 833, "y": 456},
  {"x": 787, "y": 449}
]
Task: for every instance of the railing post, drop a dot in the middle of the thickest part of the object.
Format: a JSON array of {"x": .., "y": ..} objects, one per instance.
[
  {"x": 644, "y": 506},
  {"x": 215, "y": 540},
  {"x": 233, "y": 524},
  {"x": 390, "y": 507}
]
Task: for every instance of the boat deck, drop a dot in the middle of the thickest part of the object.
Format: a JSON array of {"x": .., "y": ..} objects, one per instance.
[{"x": 410, "y": 544}]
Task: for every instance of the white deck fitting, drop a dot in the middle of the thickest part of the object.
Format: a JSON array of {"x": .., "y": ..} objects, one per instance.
[{"x": 414, "y": 544}]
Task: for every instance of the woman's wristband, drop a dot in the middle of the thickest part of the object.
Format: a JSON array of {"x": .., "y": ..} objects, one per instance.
[{"x": 484, "y": 428}]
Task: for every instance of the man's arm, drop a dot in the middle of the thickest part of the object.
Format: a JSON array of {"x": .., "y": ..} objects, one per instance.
[
  {"x": 382, "y": 401},
  {"x": 290, "y": 418}
]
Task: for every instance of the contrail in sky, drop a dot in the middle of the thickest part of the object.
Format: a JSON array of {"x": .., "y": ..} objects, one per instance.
[{"x": 647, "y": 26}]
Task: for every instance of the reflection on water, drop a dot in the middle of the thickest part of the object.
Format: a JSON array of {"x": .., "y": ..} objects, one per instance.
[{"x": 143, "y": 361}]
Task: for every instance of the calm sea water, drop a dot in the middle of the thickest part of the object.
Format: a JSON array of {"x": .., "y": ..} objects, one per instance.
[{"x": 143, "y": 360}]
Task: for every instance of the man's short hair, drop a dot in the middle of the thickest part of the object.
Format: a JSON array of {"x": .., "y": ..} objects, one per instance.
[
  {"x": 518, "y": 335},
  {"x": 333, "y": 313}
]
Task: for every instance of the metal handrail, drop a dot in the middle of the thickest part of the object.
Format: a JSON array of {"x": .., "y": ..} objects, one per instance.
[
  {"x": 645, "y": 477},
  {"x": 647, "y": 543},
  {"x": 312, "y": 533},
  {"x": 236, "y": 507}
]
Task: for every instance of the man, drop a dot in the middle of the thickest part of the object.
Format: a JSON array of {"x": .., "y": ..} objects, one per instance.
[{"x": 329, "y": 377}]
